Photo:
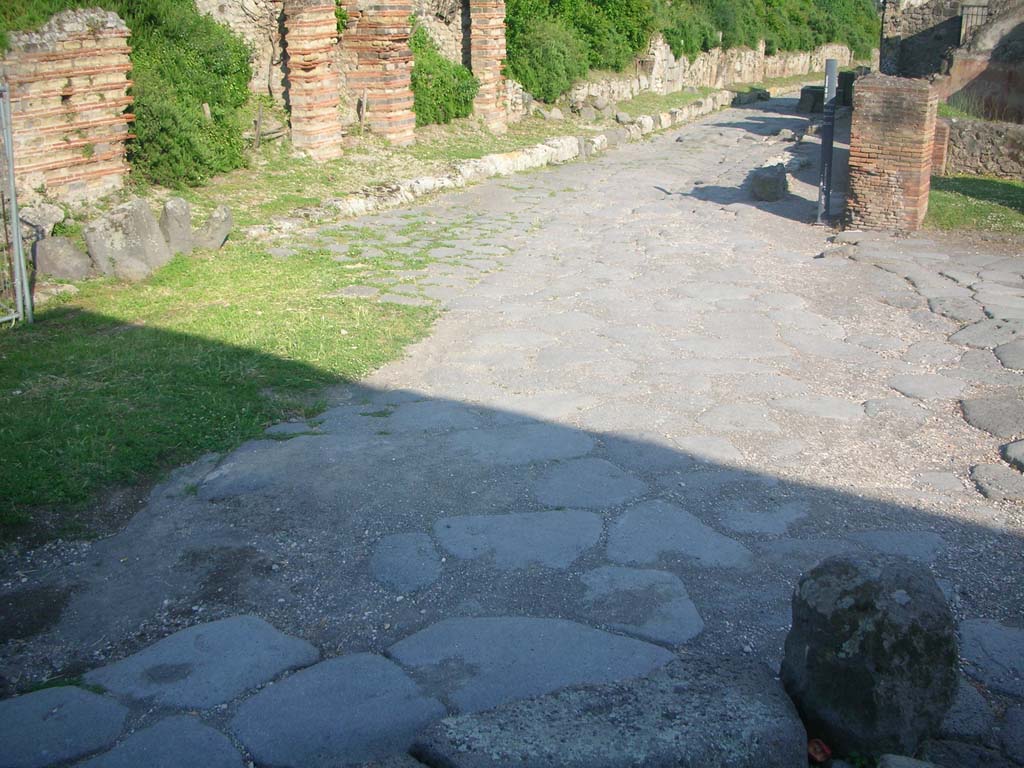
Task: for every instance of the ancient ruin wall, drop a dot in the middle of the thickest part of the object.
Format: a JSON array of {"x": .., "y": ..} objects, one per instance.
[
  {"x": 69, "y": 101},
  {"x": 447, "y": 21},
  {"x": 917, "y": 35},
  {"x": 259, "y": 23},
  {"x": 891, "y": 149},
  {"x": 985, "y": 148}
]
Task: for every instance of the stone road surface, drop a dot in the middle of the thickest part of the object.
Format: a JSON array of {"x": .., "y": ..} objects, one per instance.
[{"x": 649, "y": 406}]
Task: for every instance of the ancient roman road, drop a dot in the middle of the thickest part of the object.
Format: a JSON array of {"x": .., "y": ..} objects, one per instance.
[{"x": 648, "y": 406}]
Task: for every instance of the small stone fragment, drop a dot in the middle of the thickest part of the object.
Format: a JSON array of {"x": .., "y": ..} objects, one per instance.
[{"x": 215, "y": 231}]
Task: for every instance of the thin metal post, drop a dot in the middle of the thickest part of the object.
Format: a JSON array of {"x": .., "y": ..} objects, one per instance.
[
  {"x": 22, "y": 290},
  {"x": 828, "y": 131}
]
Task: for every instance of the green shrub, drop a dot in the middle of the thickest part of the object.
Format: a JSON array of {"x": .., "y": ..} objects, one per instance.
[
  {"x": 442, "y": 90},
  {"x": 180, "y": 61},
  {"x": 547, "y": 58}
]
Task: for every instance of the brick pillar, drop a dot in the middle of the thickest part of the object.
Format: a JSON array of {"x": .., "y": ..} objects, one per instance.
[
  {"x": 487, "y": 56},
  {"x": 891, "y": 143},
  {"x": 941, "y": 147},
  {"x": 377, "y": 39},
  {"x": 314, "y": 84}
]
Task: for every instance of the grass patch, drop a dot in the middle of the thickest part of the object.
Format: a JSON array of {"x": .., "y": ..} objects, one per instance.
[
  {"x": 123, "y": 381},
  {"x": 651, "y": 103},
  {"x": 777, "y": 82},
  {"x": 976, "y": 202}
]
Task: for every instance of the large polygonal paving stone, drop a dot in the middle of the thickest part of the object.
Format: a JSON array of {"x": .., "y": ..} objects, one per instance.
[
  {"x": 590, "y": 483},
  {"x": 177, "y": 742},
  {"x": 772, "y": 518},
  {"x": 482, "y": 662},
  {"x": 999, "y": 416},
  {"x": 649, "y": 530},
  {"x": 405, "y": 561},
  {"x": 342, "y": 711},
  {"x": 989, "y": 333},
  {"x": 690, "y": 714},
  {"x": 741, "y": 417},
  {"x": 522, "y": 443},
  {"x": 554, "y": 539},
  {"x": 998, "y": 482},
  {"x": 1011, "y": 354},
  {"x": 835, "y": 408},
  {"x": 56, "y": 724},
  {"x": 994, "y": 654},
  {"x": 917, "y": 545},
  {"x": 207, "y": 664},
  {"x": 651, "y": 604},
  {"x": 927, "y": 386}
]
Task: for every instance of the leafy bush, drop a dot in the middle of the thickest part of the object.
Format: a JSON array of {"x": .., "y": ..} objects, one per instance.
[
  {"x": 547, "y": 58},
  {"x": 180, "y": 61},
  {"x": 442, "y": 90}
]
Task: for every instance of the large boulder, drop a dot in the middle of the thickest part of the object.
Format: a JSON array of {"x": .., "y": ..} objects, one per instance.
[
  {"x": 59, "y": 257},
  {"x": 695, "y": 714},
  {"x": 769, "y": 183},
  {"x": 215, "y": 231},
  {"x": 38, "y": 221},
  {"x": 127, "y": 242},
  {"x": 176, "y": 225},
  {"x": 871, "y": 660}
]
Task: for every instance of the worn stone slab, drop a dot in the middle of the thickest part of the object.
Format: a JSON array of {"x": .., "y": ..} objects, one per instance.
[
  {"x": 491, "y": 661},
  {"x": 835, "y": 408},
  {"x": 998, "y": 482},
  {"x": 172, "y": 743},
  {"x": 691, "y": 714},
  {"x": 207, "y": 664},
  {"x": 932, "y": 353},
  {"x": 1011, "y": 354},
  {"x": 999, "y": 416},
  {"x": 994, "y": 654},
  {"x": 970, "y": 718},
  {"x": 649, "y": 530},
  {"x": 902, "y": 408},
  {"x": 770, "y": 519},
  {"x": 405, "y": 561},
  {"x": 56, "y": 724},
  {"x": 927, "y": 386},
  {"x": 710, "y": 449},
  {"x": 1013, "y": 734},
  {"x": 431, "y": 416},
  {"x": 590, "y": 483},
  {"x": 522, "y": 444},
  {"x": 738, "y": 417},
  {"x": 552, "y": 539},
  {"x": 342, "y": 711},
  {"x": 990, "y": 333},
  {"x": 650, "y": 604},
  {"x": 917, "y": 545}
]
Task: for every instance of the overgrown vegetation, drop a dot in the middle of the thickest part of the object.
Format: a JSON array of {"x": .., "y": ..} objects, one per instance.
[
  {"x": 442, "y": 89},
  {"x": 546, "y": 37},
  {"x": 181, "y": 60},
  {"x": 976, "y": 202}
]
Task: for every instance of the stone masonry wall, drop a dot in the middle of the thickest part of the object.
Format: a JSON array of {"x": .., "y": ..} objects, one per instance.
[
  {"x": 259, "y": 23},
  {"x": 891, "y": 147},
  {"x": 917, "y": 35},
  {"x": 984, "y": 148},
  {"x": 69, "y": 96},
  {"x": 447, "y": 21}
]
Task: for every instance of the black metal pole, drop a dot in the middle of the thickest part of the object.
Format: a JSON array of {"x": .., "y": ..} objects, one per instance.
[{"x": 828, "y": 131}]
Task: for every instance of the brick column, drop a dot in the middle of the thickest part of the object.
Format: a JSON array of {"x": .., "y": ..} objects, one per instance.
[
  {"x": 487, "y": 55},
  {"x": 314, "y": 85},
  {"x": 891, "y": 143},
  {"x": 377, "y": 37}
]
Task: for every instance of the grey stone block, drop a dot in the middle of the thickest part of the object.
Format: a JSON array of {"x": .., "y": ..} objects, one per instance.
[
  {"x": 590, "y": 483},
  {"x": 970, "y": 718},
  {"x": 1011, "y": 354},
  {"x": 1013, "y": 453},
  {"x": 207, "y": 664},
  {"x": 769, "y": 184},
  {"x": 522, "y": 444},
  {"x": 690, "y": 714},
  {"x": 994, "y": 654},
  {"x": 215, "y": 231},
  {"x": 59, "y": 257},
  {"x": 55, "y": 725},
  {"x": 998, "y": 482},
  {"x": 986, "y": 334},
  {"x": 177, "y": 742},
  {"x": 927, "y": 386},
  {"x": 502, "y": 659},
  {"x": 40, "y": 219},
  {"x": 405, "y": 561},
  {"x": 176, "y": 225},
  {"x": 342, "y": 711},
  {"x": 1012, "y": 735},
  {"x": 127, "y": 242},
  {"x": 957, "y": 308},
  {"x": 999, "y": 416}
]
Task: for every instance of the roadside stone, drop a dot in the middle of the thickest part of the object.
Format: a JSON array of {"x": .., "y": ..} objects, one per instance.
[
  {"x": 646, "y": 532},
  {"x": 41, "y": 219},
  {"x": 551, "y": 539},
  {"x": 176, "y": 225},
  {"x": 994, "y": 654},
  {"x": 998, "y": 482},
  {"x": 59, "y": 257},
  {"x": 999, "y": 416},
  {"x": 770, "y": 183},
  {"x": 55, "y": 725},
  {"x": 341, "y": 711},
  {"x": 215, "y": 231},
  {"x": 207, "y": 664},
  {"x": 986, "y": 334},
  {"x": 1011, "y": 354},
  {"x": 589, "y": 483},
  {"x": 882, "y": 625},
  {"x": 1013, "y": 454},
  {"x": 554, "y": 114},
  {"x": 653, "y": 605},
  {"x": 970, "y": 718},
  {"x": 645, "y": 123},
  {"x": 502, "y": 659},
  {"x": 588, "y": 113},
  {"x": 623, "y": 118},
  {"x": 405, "y": 562},
  {"x": 691, "y": 713},
  {"x": 127, "y": 243},
  {"x": 958, "y": 308},
  {"x": 171, "y": 743},
  {"x": 927, "y": 386}
]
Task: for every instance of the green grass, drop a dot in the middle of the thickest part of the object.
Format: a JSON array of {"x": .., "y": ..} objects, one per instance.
[
  {"x": 777, "y": 82},
  {"x": 651, "y": 103},
  {"x": 976, "y": 202},
  {"x": 948, "y": 110},
  {"x": 123, "y": 381}
]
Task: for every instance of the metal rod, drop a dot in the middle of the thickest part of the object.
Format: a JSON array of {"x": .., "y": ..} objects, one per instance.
[
  {"x": 828, "y": 130},
  {"x": 22, "y": 289}
]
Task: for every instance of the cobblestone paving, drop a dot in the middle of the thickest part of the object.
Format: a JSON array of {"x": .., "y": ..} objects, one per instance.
[{"x": 649, "y": 405}]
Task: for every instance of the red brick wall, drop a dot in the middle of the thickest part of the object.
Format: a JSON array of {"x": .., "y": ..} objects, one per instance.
[
  {"x": 940, "y": 148},
  {"x": 891, "y": 145},
  {"x": 487, "y": 55}
]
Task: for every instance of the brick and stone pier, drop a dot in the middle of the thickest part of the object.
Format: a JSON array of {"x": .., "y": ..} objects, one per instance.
[{"x": 487, "y": 55}]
